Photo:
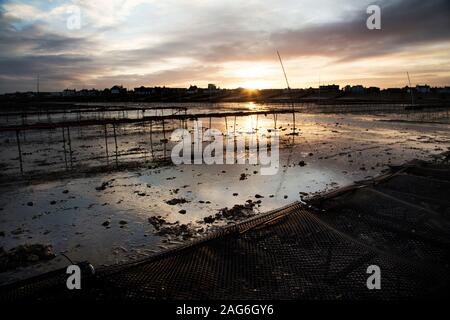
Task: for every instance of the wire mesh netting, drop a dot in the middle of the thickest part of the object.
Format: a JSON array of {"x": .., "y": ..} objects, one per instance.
[{"x": 321, "y": 252}]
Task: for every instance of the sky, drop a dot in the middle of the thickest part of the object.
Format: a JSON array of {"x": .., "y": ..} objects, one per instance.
[{"x": 229, "y": 43}]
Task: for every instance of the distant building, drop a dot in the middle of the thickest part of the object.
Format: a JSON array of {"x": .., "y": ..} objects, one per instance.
[
  {"x": 212, "y": 87},
  {"x": 118, "y": 90},
  {"x": 329, "y": 88},
  {"x": 423, "y": 89},
  {"x": 69, "y": 92},
  {"x": 192, "y": 90},
  {"x": 354, "y": 89},
  {"x": 393, "y": 90},
  {"x": 445, "y": 90},
  {"x": 143, "y": 91},
  {"x": 87, "y": 93},
  {"x": 373, "y": 90}
]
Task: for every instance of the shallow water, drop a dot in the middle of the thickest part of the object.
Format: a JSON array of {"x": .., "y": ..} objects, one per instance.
[{"x": 337, "y": 150}]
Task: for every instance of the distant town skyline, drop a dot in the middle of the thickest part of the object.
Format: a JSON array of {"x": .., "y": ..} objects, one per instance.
[{"x": 232, "y": 44}]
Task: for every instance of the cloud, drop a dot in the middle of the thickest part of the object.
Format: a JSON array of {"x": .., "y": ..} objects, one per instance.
[
  {"x": 405, "y": 24},
  {"x": 177, "y": 42}
]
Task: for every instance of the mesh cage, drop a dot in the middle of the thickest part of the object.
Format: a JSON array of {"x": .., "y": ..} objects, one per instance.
[{"x": 322, "y": 251}]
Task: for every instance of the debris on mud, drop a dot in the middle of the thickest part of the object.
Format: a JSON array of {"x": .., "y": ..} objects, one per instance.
[
  {"x": 17, "y": 231},
  {"x": 237, "y": 213},
  {"x": 104, "y": 185},
  {"x": 24, "y": 255},
  {"x": 181, "y": 231},
  {"x": 176, "y": 201}
]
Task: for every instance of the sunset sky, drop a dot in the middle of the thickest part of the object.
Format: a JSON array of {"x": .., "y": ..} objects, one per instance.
[{"x": 230, "y": 43}]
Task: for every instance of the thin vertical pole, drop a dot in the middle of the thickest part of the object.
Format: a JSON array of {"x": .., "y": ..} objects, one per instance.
[
  {"x": 164, "y": 130},
  {"x": 165, "y": 141},
  {"x": 410, "y": 89},
  {"x": 70, "y": 147},
  {"x": 106, "y": 145},
  {"x": 20, "y": 150},
  {"x": 115, "y": 142},
  {"x": 151, "y": 140},
  {"x": 64, "y": 148},
  {"x": 289, "y": 89}
]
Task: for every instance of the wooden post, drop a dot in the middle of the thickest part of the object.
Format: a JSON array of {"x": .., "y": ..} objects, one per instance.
[
  {"x": 164, "y": 130},
  {"x": 106, "y": 145},
  {"x": 64, "y": 148},
  {"x": 115, "y": 142},
  {"x": 164, "y": 134},
  {"x": 20, "y": 150},
  {"x": 151, "y": 140},
  {"x": 70, "y": 147}
]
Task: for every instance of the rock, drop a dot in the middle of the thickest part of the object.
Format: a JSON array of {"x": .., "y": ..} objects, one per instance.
[
  {"x": 106, "y": 223},
  {"x": 182, "y": 212},
  {"x": 30, "y": 204},
  {"x": 53, "y": 202},
  {"x": 243, "y": 176},
  {"x": 258, "y": 196},
  {"x": 302, "y": 163},
  {"x": 2, "y": 233},
  {"x": 65, "y": 191},
  {"x": 123, "y": 222},
  {"x": 235, "y": 194}
]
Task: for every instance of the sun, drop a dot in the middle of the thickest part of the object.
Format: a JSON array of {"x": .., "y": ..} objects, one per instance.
[{"x": 255, "y": 84}]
